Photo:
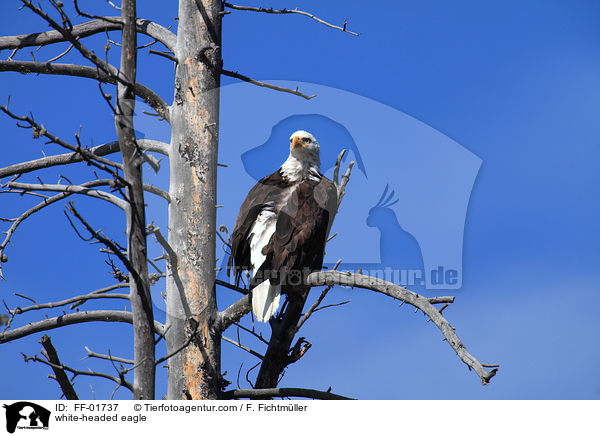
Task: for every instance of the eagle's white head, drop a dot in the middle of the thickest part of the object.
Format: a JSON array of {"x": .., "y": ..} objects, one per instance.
[
  {"x": 304, "y": 142},
  {"x": 303, "y": 158},
  {"x": 304, "y": 151}
]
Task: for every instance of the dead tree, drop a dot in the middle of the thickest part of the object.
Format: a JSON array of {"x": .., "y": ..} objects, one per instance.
[{"x": 194, "y": 328}]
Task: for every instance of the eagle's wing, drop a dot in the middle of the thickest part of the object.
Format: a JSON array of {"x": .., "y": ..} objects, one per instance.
[
  {"x": 298, "y": 244},
  {"x": 262, "y": 195}
]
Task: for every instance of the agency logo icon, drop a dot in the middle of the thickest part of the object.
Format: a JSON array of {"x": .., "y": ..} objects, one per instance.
[{"x": 26, "y": 415}]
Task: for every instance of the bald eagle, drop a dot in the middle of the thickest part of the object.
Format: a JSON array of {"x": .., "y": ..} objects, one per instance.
[{"x": 281, "y": 229}]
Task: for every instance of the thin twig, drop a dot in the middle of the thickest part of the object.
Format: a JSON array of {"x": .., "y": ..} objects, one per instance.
[
  {"x": 266, "y": 85},
  {"x": 315, "y": 305},
  {"x": 332, "y": 305},
  {"x": 232, "y": 287},
  {"x": 252, "y": 332},
  {"x": 290, "y": 11},
  {"x": 112, "y": 358},
  {"x": 179, "y": 349},
  {"x": 248, "y": 374},
  {"x": 57, "y": 57},
  {"x": 338, "y": 164},
  {"x": 103, "y": 239},
  {"x": 228, "y": 242},
  {"x": 169, "y": 56},
  {"x": 77, "y": 372},
  {"x": 243, "y": 347},
  {"x": 341, "y": 188},
  {"x": 39, "y": 130},
  {"x": 113, "y": 5},
  {"x": 80, "y": 299}
]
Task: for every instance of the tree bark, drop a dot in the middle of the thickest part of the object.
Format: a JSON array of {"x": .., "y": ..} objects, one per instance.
[
  {"x": 191, "y": 302},
  {"x": 61, "y": 376},
  {"x": 141, "y": 302}
]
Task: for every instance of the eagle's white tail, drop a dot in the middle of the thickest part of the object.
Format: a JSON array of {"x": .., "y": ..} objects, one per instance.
[{"x": 265, "y": 300}]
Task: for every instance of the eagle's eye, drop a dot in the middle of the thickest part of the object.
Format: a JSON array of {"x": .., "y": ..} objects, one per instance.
[{"x": 307, "y": 140}]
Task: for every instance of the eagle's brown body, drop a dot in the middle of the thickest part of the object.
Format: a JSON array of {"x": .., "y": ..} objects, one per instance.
[{"x": 281, "y": 230}]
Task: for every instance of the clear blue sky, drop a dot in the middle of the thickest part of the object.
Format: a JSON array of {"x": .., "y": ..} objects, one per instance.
[{"x": 516, "y": 84}]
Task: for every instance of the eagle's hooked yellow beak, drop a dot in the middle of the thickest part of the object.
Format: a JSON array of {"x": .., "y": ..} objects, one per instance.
[{"x": 297, "y": 142}]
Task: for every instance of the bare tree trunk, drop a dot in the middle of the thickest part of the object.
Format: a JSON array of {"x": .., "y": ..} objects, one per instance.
[
  {"x": 141, "y": 303},
  {"x": 282, "y": 334},
  {"x": 191, "y": 301}
]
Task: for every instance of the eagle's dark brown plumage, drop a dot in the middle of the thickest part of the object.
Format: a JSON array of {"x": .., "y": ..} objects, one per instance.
[{"x": 282, "y": 226}]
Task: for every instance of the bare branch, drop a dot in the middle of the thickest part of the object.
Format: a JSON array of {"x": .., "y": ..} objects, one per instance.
[
  {"x": 341, "y": 303},
  {"x": 447, "y": 300},
  {"x": 71, "y": 319},
  {"x": 73, "y": 189},
  {"x": 312, "y": 309},
  {"x": 341, "y": 187},
  {"x": 315, "y": 305},
  {"x": 111, "y": 358},
  {"x": 61, "y": 376},
  {"x": 290, "y": 11},
  {"x": 252, "y": 332},
  {"x": 26, "y": 298},
  {"x": 113, "y": 5},
  {"x": 68, "y": 158},
  {"x": 233, "y": 313},
  {"x": 39, "y": 130},
  {"x": 156, "y": 191},
  {"x": 400, "y": 293},
  {"x": 57, "y": 57},
  {"x": 266, "y": 85},
  {"x": 79, "y": 298},
  {"x": 121, "y": 380},
  {"x": 33, "y": 210},
  {"x": 330, "y": 278},
  {"x": 223, "y": 229},
  {"x": 232, "y": 287},
  {"x": 142, "y": 91},
  {"x": 93, "y": 27},
  {"x": 179, "y": 349},
  {"x": 243, "y": 347},
  {"x": 282, "y": 392},
  {"x": 164, "y": 55},
  {"x": 338, "y": 164},
  {"x": 65, "y": 31},
  {"x": 103, "y": 239},
  {"x": 101, "y": 291},
  {"x": 152, "y": 229}
]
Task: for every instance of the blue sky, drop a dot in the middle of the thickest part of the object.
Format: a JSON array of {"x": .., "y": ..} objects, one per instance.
[{"x": 516, "y": 84}]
